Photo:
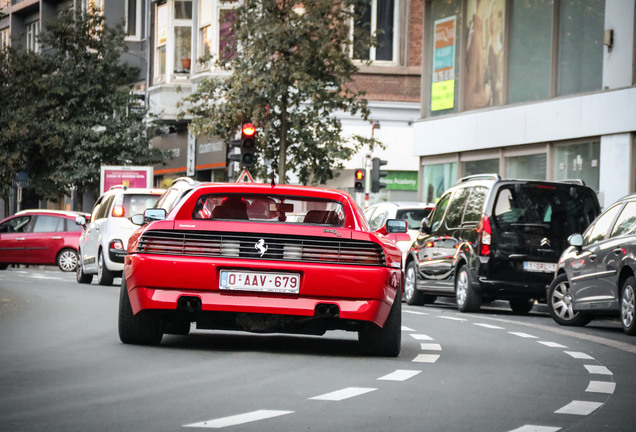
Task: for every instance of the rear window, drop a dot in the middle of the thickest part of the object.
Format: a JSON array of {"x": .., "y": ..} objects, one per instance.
[
  {"x": 413, "y": 216},
  {"x": 270, "y": 208},
  {"x": 563, "y": 209},
  {"x": 133, "y": 204}
]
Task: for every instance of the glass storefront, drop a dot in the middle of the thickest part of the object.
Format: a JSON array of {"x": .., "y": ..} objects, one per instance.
[
  {"x": 486, "y": 166},
  {"x": 531, "y": 167},
  {"x": 436, "y": 179},
  {"x": 578, "y": 161}
]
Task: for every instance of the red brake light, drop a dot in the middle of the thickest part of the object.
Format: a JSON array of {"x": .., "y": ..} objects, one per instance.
[
  {"x": 484, "y": 235},
  {"x": 118, "y": 211}
]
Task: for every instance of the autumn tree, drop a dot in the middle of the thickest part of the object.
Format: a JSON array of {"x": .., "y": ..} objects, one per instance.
[{"x": 289, "y": 73}]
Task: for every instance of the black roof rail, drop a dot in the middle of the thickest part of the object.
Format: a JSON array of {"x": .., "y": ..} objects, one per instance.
[
  {"x": 479, "y": 177},
  {"x": 573, "y": 181}
]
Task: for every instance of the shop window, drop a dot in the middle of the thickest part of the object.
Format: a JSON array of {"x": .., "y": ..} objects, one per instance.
[
  {"x": 530, "y": 52},
  {"x": 580, "y": 56},
  {"x": 530, "y": 167},
  {"x": 379, "y": 18},
  {"x": 578, "y": 161},
  {"x": 486, "y": 166},
  {"x": 437, "y": 179}
]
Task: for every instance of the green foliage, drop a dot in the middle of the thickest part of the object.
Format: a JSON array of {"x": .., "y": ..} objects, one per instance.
[
  {"x": 69, "y": 109},
  {"x": 290, "y": 76}
]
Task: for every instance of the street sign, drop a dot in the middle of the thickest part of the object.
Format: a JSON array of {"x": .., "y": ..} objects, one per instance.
[{"x": 245, "y": 177}]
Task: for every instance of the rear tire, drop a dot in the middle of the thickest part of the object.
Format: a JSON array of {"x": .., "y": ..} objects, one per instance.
[
  {"x": 385, "y": 341},
  {"x": 467, "y": 299},
  {"x": 67, "y": 260},
  {"x": 560, "y": 304},
  {"x": 141, "y": 329},
  {"x": 628, "y": 306},
  {"x": 104, "y": 276}
]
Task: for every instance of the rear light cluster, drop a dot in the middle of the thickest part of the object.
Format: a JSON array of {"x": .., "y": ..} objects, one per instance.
[
  {"x": 118, "y": 208},
  {"x": 484, "y": 236}
]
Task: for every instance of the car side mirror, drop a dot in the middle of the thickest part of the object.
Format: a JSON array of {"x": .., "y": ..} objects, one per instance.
[
  {"x": 576, "y": 240},
  {"x": 396, "y": 226},
  {"x": 150, "y": 215},
  {"x": 425, "y": 226},
  {"x": 80, "y": 220},
  {"x": 137, "y": 219}
]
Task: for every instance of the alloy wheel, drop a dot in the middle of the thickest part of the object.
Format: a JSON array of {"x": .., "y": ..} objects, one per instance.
[
  {"x": 561, "y": 301},
  {"x": 462, "y": 287},
  {"x": 68, "y": 260},
  {"x": 628, "y": 305},
  {"x": 409, "y": 283}
]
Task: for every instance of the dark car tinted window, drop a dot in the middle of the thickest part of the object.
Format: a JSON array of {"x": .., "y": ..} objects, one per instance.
[
  {"x": 626, "y": 222},
  {"x": 563, "y": 210},
  {"x": 456, "y": 208},
  {"x": 438, "y": 213},
  {"x": 475, "y": 205},
  {"x": 48, "y": 224},
  {"x": 601, "y": 227},
  {"x": 413, "y": 216}
]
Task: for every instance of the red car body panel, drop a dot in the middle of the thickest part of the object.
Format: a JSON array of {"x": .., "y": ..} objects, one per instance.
[{"x": 156, "y": 281}]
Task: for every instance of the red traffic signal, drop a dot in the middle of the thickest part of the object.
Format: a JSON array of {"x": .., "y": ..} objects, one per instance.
[
  {"x": 248, "y": 131},
  {"x": 248, "y": 145},
  {"x": 359, "y": 180}
]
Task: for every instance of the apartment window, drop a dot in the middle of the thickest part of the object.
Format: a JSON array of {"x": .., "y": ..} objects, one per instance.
[
  {"x": 161, "y": 39},
  {"x": 215, "y": 23},
  {"x": 380, "y": 18},
  {"x": 92, "y": 5},
  {"x": 4, "y": 38},
  {"x": 182, "y": 36},
  {"x": 579, "y": 160},
  {"x": 133, "y": 19},
  {"x": 32, "y": 35}
]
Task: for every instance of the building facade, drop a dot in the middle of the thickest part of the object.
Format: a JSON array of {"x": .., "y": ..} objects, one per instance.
[{"x": 540, "y": 89}]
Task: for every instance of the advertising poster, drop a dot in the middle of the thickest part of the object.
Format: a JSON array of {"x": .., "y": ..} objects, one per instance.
[
  {"x": 483, "y": 80},
  {"x": 129, "y": 176},
  {"x": 443, "y": 87}
]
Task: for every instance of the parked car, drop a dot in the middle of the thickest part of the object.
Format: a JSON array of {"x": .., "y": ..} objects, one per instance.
[
  {"x": 40, "y": 237},
  {"x": 411, "y": 212},
  {"x": 262, "y": 258},
  {"x": 595, "y": 275},
  {"x": 102, "y": 245},
  {"x": 492, "y": 239},
  {"x": 180, "y": 188}
]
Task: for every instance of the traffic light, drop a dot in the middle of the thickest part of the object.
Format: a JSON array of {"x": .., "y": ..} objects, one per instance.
[
  {"x": 376, "y": 174},
  {"x": 231, "y": 154},
  {"x": 359, "y": 180},
  {"x": 248, "y": 145}
]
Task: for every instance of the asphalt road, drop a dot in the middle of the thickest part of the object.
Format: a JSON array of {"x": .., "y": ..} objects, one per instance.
[{"x": 63, "y": 368}]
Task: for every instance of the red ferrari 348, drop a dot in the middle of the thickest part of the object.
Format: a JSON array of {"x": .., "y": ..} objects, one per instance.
[{"x": 265, "y": 259}]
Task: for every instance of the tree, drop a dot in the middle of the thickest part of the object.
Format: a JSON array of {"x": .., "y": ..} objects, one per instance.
[
  {"x": 289, "y": 76},
  {"x": 79, "y": 112}
]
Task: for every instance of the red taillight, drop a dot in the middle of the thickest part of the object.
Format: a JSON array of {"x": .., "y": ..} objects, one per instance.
[
  {"x": 484, "y": 235},
  {"x": 118, "y": 211}
]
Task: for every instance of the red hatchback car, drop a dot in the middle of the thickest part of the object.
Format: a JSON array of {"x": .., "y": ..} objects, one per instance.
[
  {"x": 40, "y": 237},
  {"x": 264, "y": 259}
]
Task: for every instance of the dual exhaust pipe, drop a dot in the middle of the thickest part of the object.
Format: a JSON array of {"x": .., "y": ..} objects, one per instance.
[{"x": 326, "y": 310}]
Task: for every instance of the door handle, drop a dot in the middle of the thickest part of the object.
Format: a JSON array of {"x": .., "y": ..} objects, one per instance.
[
  {"x": 618, "y": 251},
  {"x": 21, "y": 238},
  {"x": 593, "y": 257},
  {"x": 56, "y": 237}
]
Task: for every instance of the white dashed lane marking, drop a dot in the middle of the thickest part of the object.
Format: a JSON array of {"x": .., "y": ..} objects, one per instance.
[
  {"x": 343, "y": 394},
  {"x": 421, "y": 337},
  {"x": 238, "y": 419},
  {"x": 415, "y": 312},
  {"x": 452, "y": 318},
  {"x": 523, "y": 335},
  {"x": 581, "y": 408},
  {"x": 552, "y": 344},
  {"x": 407, "y": 329},
  {"x": 489, "y": 326},
  {"x": 601, "y": 387},
  {"x": 533, "y": 428},
  {"x": 426, "y": 358},
  {"x": 399, "y": 375},
  {"x": 579, "y": 355},
  {"x": 598, "y": 370},
  {"x": 431, "y": 347}
]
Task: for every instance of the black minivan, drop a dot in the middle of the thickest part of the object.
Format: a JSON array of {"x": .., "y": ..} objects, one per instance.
[{"x": 493, "y": 239}]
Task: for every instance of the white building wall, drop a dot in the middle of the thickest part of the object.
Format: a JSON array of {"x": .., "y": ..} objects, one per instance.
[
  {"x": 616, "y": 172},
  {"x": 618, "y": 62}
]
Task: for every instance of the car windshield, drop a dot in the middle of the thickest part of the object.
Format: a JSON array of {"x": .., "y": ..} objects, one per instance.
[
  {"x": 560, "y": 209},
  {"x": 270, "y": 208},
  {"x": 413, "y": 216}
]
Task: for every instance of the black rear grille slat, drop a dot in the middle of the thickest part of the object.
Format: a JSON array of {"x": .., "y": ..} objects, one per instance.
[{"x": 233, "y": 245}]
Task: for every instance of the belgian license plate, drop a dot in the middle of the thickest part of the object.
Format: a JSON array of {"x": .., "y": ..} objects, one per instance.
[
  {"x": 286, "y": 283},
  {"x": 543, "y": 267}
]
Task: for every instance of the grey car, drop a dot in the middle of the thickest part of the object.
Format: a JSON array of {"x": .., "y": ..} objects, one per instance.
[{"x": 595, "y": 275}]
